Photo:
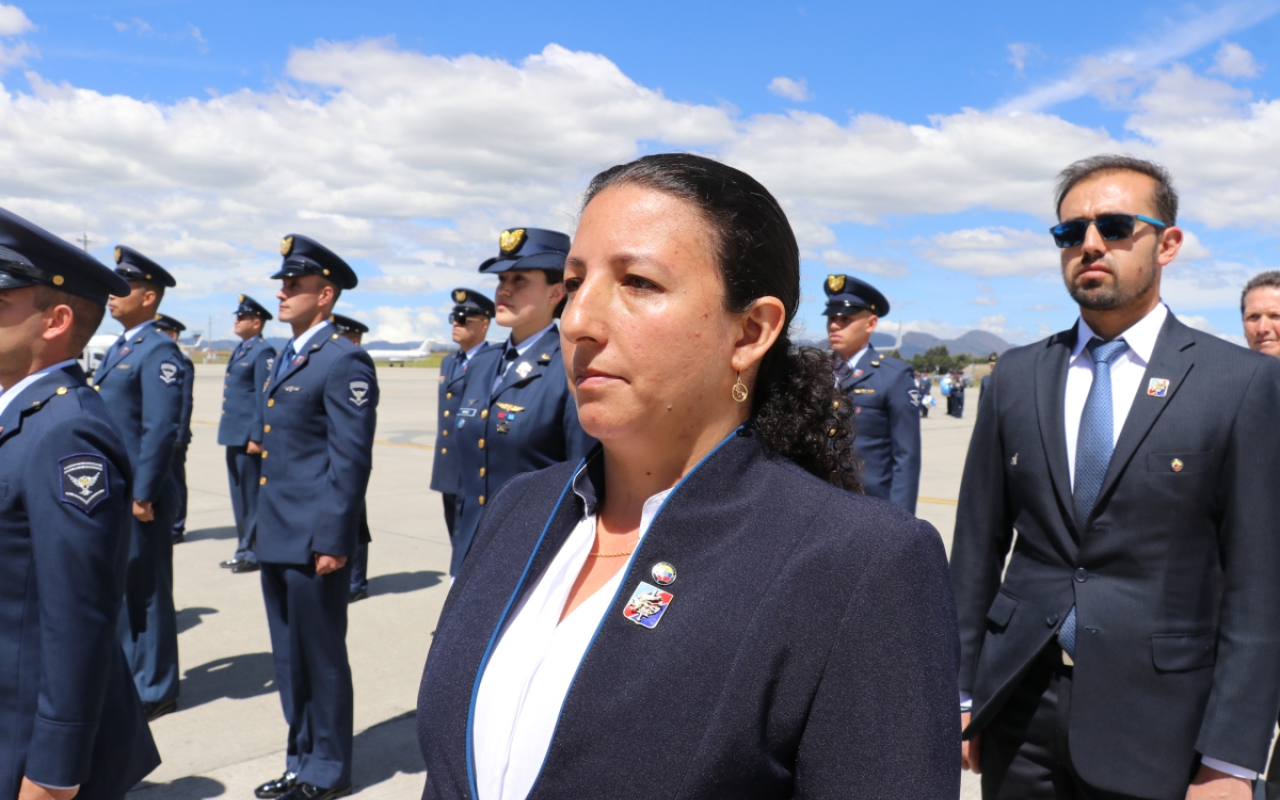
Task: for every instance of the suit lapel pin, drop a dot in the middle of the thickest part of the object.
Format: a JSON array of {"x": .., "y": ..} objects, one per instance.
[
  {"x": 1013, "y": 462},
  {"x": 1177, "y": 465},
  {"x": 1158, "y": 387},
  {"x": 857, "y": 373},
  {"x": 647, "y": 605},
  {"x": 663, "y": 574}
]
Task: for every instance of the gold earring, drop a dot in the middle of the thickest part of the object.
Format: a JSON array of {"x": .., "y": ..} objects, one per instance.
[{"x": 740, "y": 390}]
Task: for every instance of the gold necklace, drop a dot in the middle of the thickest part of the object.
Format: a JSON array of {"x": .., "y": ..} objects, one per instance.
[{"x": 612, "y": 555}]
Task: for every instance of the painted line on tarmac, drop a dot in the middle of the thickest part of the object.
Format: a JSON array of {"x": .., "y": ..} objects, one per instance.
[
  {"x": 405, "y": 444},
  {"x": 938, "y": 501}
]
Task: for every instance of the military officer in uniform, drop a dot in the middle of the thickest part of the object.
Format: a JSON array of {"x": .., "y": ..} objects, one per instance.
[
  {"x": 354, "y": 331},
  {"x": 516, "y": 413},
  {"x": 173, "y": 329},
  {"x": 884, "y": 393},
  {"x": 71, "y": 723},
  {"x": 317, "y": 449},
  {"x": 240, "y": 425},
  {"x": 140, "y": 379},
  {"x": 470, "y": 318}
]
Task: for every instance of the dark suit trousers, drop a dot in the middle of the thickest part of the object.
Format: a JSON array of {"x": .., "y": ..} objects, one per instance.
[
  {"x": 243, "y": 472},
  {"x": 179, "y": 469},
  {"x": 1025, "y": 754},
  {"x": 152, "y": 653},
  {"x": 307, "y": 617},
  {"x": 450, "y": 511}
]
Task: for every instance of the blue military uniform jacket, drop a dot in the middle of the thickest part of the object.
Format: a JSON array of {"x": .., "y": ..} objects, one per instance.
[
  {"x": 887, "y": 419},
  {"x": 444, "y": 469},
  {"x": 247, "y": 373},
  {"x": 318, "y": 418},
  {"x": 188, "y": 398},
  {"x": 527, "y": 423},
  {"x": 141, "y": 384},
  {"x": 70, "y": 713},
  {"x": 808, "y": 649}
]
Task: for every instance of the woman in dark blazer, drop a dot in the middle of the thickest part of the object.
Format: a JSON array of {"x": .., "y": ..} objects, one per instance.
[{"x": 701, "y": 608}]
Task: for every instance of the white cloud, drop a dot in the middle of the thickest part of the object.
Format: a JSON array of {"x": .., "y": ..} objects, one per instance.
[
  {"x": 1043, "y": 307},
  {"x": 13, "y": 22},
  {"x": 1233, "y": 61},
  {"x": 985, "y": 300},
  {"x": 404, "y": 324},
  {"x": 1020, "y": 53},
  {"x": 1203, "y": 324},
  {"x": 993, "y": 251},
  {"x": 841, "y": 262},
  {"x": 797, "y": 90}
]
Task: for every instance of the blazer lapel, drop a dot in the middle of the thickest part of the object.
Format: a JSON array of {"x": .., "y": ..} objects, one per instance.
[
  {"x": 1051, "y": 390},
  {"x": 318, "y": 339},
  {"x": 862, "y": 370},
  {"x": 531, "y": 364},
  {"x": 1171, "y": 360}
]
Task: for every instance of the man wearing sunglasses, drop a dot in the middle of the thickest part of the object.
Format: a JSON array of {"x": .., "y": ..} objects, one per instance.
[
  {"x": 1128, "y": 648},
  {"x": 470, "y": 319}
]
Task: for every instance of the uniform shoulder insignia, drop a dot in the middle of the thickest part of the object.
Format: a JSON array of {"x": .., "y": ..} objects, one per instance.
[
  {"x": 544, "y": 358},
  {"x": 168, "y": 372},
  {"x": 359, "y": 393},
  {"x": 84, "y": 481},
  {"x": 875, "y": 363}
]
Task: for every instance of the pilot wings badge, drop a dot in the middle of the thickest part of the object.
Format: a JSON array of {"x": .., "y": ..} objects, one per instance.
[
  {"x": 359, "y": 393},
  {"x": 83, "y": 486}
]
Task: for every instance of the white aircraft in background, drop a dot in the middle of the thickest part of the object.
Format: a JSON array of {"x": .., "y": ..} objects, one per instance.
[
  {"x": 403, "y": 357},
  {"x": 99, "y": 343}
]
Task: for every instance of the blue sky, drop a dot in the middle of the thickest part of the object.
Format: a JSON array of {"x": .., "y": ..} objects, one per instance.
[{"x": 914, "y": 144}]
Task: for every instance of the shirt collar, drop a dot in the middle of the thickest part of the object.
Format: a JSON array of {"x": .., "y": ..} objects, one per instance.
[
  {"x": 1141, "y": 336},
  {"x": 301, "y": 341},
  {"x": 11, "y": 394},
  {"x": 469, "y": 354},
  {"x": 135, "y": 330},
  {"x": 853, "y": 362},
  {"x": 588, "y": 484},
  {"x": 528, "y": 343}
]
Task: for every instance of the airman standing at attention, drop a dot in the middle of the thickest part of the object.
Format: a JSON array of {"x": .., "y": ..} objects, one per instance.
[
  {"x": 470, "y": 320},
  {"x": 354, "y": 331},
  {"x": 319, "y": 419},
  {"x": 173, "y": 329},
  {"x": 71, "y": 724},
  {"x": 517, "y": 414},
  {"x": 240, "y": 426},
  {"x": 885, "y": 397},
  {"x": 140, "y": 380}
]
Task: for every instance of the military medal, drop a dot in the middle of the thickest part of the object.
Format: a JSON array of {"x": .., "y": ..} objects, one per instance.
[
  {"x": 647, "y": 605},
  {"x": 503, "y": 426}
]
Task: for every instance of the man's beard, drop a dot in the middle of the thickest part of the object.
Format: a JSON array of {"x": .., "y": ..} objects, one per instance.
[{"x": 1116, "y": 293}]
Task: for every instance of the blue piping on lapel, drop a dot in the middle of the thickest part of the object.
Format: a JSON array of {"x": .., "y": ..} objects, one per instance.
[
  {"x": 484, "y": 661},
  {"x": 622, "y": 585}
]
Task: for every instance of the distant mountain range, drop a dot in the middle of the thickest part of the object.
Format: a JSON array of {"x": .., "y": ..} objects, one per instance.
[{"x": 973, "y": 343}]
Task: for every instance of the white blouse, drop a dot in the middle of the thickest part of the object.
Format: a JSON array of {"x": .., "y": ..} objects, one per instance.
[{"x": 536, "y": 658}]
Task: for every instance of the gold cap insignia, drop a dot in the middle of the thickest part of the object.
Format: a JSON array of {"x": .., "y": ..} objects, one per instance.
[
  {"x": 510, "y": 241},
  {"x": 58, "y": 280},
  {"x": 459, "y": 295},
  {"x": 241, "y": 298},
  {"x": 119, "y": 255},
  {"x": 157, "y": 317},
  {"x": 835, "y": 282},
  {"x": 286, "y": 245}
]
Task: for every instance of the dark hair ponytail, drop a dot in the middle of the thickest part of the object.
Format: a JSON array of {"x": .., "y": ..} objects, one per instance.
[{"x": 797, "y": 406}]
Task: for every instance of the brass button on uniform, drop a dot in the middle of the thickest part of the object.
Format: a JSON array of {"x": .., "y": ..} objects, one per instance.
[
  {"x": 271, "y": 402},
  {"x": 265, "y": 453},
  {"x": 266, "y": 429},
  {"x": 482, "y": 472},
  {"x": 262, "y": 481},
  {"x": 484, "y": 414},
  {"x": 62, "y": 390},
  {"x": 481, "y": 499},
  {"x": 446, "y": 414},
  {"x": 448, "y": 395},
  {"x": 444, "y": 450},
  {"x": 482, "y": 444},
  {"x": 97, "y": 388},
  {"x": 444, "y": 432}
]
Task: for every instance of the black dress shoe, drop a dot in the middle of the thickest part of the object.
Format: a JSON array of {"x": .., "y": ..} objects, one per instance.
[
  {"x": 360, "y": 595},
  {"x": 155, "y": 711},
  {"x": 229, "y": 563},
  {"x": 277, "y": 787},
  {"x": 305, "y": 791},
  {"x": 179, "y": 538},
  {"x": 245, "y": 566}
]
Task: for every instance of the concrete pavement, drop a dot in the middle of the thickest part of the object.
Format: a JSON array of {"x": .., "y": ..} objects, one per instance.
[{"x": 228, "y": 734}]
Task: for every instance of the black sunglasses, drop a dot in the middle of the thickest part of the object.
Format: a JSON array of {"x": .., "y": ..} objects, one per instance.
[
  {"x": 460, "y": 317},
  {"x": 1112, "y": 227}
]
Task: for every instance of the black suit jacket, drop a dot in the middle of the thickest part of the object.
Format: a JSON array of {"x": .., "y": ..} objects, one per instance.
[
  {"x": 809, "y": 649},
  {"x": 1173, "y": 574}
]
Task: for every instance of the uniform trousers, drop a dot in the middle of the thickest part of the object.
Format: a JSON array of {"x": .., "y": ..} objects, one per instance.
[
  {"x": 1025, "y": 752},
  {"x": 179, "y": 468},
  {"x": 307, "y": 618},
  {"x": 359, "y": 561},
  {"x": 152, "y": 652},
  {"x": 450, "y": 511},
  {"x": 243, "y": 473}
]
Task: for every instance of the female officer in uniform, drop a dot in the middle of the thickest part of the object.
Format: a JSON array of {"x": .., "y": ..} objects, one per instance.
[
  {"x": 701, "y": 607},
  {"x": 516, "y": 413}
]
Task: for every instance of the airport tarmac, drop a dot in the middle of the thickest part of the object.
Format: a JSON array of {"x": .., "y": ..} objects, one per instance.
[{"x": 228, "y": 734}]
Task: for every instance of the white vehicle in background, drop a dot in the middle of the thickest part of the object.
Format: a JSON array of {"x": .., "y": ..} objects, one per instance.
[
  {"x": 403, "y": 357},
  {"x": 100, "y": 343}
]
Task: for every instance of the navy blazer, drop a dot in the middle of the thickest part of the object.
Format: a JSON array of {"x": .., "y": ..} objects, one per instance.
[
  {"x": 188, "y": 398},
  {"x": 71, "y": 714},
  {"x": 529, "y": 422},
  {"x": 141, "y": 385},
  {"x": 1173, "y": 574},
  {"x": 317, "y": 450},
  {"x": 809, "y": 649},
  {"x": 444, "y": 468},
  {"x": 247, "y": 372},
  {"x": 887, "y": 426}
]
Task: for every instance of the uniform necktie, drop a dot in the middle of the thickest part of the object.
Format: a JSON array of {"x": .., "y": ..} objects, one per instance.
[
  {"x": 460, "y": 366},
  {"x": 1094, "y": 444},
  {"x": 285, "y": 359}
]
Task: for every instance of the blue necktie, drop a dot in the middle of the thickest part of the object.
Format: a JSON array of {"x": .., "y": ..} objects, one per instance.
[
  {"x": 459, "y": 366},
  {"x": 285, "y": 359},
  {"x": 1094, "y": 444}
]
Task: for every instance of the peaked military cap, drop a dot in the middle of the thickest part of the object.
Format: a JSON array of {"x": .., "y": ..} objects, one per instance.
[
  {"x": 848, "y": 295},
  {"x": 348, "y": 325},
  {"x": 134, "y": 266},
  {"x": 528, "y": 248},
  {"x": 167, "y": 323},
  {"x": 251, "y": 308},
  {"x": 31, "y": 255},
  {"x": 303, "y": 256},
  {"x": 473, "y": 303}
]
